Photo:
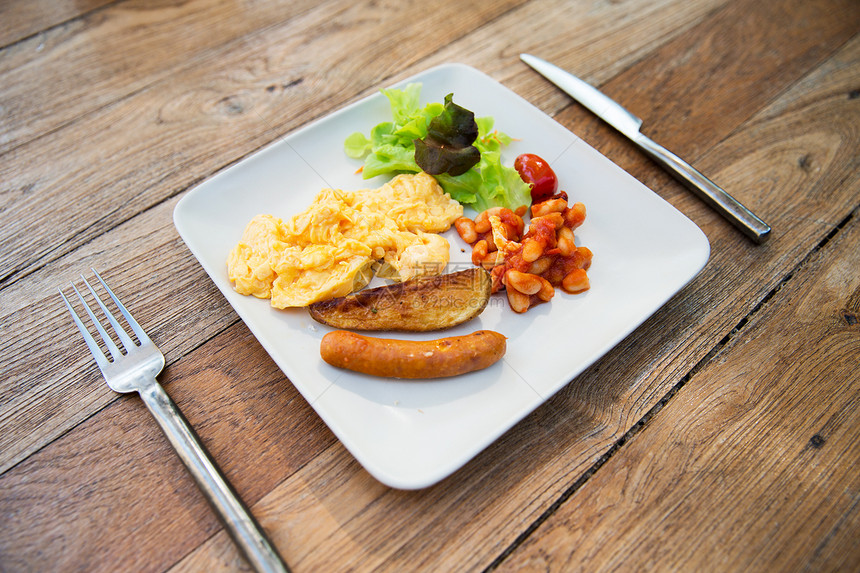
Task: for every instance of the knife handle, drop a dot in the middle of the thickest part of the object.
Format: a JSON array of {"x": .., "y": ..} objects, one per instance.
[
  {"x": 237, "y": 519},
  {"x": 710, "y": 192}
]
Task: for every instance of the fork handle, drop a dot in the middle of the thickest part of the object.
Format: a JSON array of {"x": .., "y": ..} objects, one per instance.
[{"x": 237, "y": 519}]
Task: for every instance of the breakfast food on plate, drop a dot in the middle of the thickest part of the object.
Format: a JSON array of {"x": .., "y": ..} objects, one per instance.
[
  {"x": 329, "y": 249},
  {"x": 444, "y": 157},
  {"x": 320, "y": 257},
  {"x": 393, "y": 358},
  {"x": 529, "y": 262},
  {"x": 418, "y": 304}
]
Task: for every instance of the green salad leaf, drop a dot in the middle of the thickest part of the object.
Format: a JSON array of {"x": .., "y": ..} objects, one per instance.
[{"x": 462, "y": 152}]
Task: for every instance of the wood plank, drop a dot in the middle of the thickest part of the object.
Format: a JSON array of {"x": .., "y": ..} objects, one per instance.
[
  {"x": 38, "y": 410},
  {"x": 24, "y": 18},
  {"x": 167, "y": 137},
  {"x": 752, "y": 465},
  {"x": 519, "y": 477},
  {"x": 116, "y": 467},
  {"x": 597, "y": 41},
  {"x": 115, "y": 52}
]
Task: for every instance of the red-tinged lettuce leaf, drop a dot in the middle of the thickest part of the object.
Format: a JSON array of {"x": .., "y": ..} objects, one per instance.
[
  {"x": 436, "y": 159},
  {"x": 455, "y": 126},
  {"x": 448, "y": 146}
]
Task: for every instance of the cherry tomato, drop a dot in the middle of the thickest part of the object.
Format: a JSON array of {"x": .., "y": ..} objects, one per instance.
[{"x": 538, "y": 174}]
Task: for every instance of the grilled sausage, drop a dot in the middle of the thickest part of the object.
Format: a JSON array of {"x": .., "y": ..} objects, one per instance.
[{"x": 393, "y": 358}]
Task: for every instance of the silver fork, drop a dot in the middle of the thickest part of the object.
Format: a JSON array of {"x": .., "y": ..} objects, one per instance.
[{"x": 135, "y": 370}]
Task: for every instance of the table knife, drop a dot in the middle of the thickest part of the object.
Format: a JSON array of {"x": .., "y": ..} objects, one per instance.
[{"x": 628, "y": 125}]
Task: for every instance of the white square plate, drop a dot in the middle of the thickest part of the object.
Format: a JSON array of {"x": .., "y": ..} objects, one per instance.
[{"x": 411, "y": 434}]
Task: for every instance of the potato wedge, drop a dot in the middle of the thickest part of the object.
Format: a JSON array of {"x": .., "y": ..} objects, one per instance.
[{"x": 416, "y": 305}]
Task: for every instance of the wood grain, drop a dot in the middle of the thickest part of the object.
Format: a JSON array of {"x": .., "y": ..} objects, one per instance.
[
  {"x": 24, "y": 18},
  {"x": 699, "y": 441},
  {"x": 753, "y": 463},
  {"x": 52, "y": 382},
  {"x": 164, "y": 44},
  {"x": 588, "y": 417},
  {"x": 596, "y": 41},
  {"x": 726, "y": 87}
]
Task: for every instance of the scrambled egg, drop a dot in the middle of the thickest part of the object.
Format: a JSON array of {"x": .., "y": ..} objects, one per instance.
[{"x": 333, "y": 247}]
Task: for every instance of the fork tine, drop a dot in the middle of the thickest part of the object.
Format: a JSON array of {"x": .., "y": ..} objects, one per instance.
[
  {"x": 114, "y": 351},
  {"x": 127, "y": 342},
  {"x": 138, "y": 330},
  {"x": 97, "y": 353}
]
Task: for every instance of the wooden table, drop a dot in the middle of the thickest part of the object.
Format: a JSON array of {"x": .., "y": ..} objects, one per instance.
[{"x": 720, "y": 435}]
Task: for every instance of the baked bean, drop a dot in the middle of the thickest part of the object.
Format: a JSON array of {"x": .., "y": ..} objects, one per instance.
[
  {"x": 515, "y": 222},
  {"x": 482, "y": 221},
  {"x": 566, "y": 244},
  {"x": 479, "y": 252},
  {"x": 542, "y": 230},
  {"x": 488, "y": 237},
  {"x": 556, "y": 220},
  {"x": 574, "y": 215},
  {"x": 547, "y": 291},
  {"x": 575, "y": 281},
  {"x": 466, "y": 229},
  {"x": 524, "y": 282},
  {"x": 530, "y": 263},
  {"x": 586, "y": 255},
  {"x": 519, "y": 302},
  {"x": 511, "y": 221},
  {"x": 539, "y": 266},
  {"x": 532, "y": 250},
  {"x": 549, "y": 206},
  {"x": 556, "y": 272}
]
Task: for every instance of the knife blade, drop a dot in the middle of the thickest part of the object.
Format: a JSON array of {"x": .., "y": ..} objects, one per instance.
[{"x": 629, "y": 125}]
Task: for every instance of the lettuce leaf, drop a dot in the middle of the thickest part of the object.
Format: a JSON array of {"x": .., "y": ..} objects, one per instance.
[
  {"x": 465, "y": 152},
  {"x": 448, "y": 146},
  {"x": 404, "y": 103}
]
